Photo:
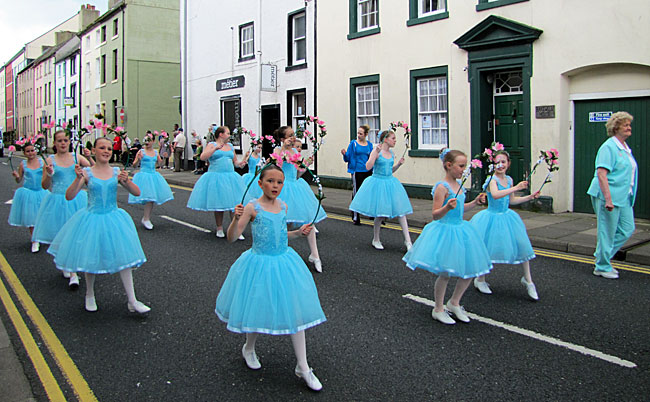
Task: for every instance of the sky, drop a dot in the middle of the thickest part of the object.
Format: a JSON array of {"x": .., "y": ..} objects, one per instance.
[{"x": 21, "y": 21}]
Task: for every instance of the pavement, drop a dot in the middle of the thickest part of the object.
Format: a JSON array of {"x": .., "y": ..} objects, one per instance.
[{"x": 567, "y": 232}]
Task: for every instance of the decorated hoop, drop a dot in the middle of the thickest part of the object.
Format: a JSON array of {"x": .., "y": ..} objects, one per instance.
[
  {"x": 394, "y": 125},
  {"x": 316, "y": 138}
]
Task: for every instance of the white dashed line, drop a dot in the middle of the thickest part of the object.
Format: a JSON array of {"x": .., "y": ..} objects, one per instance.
[{"x": 189, "y": 225}]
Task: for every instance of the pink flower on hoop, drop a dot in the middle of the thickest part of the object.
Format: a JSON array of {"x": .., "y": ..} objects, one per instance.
[
  {"x": 12, "y": 148},
  {"x": 497, "y": 146},
  {"x": 276, "y": 159},
  {"x": 476, "y": 163}
]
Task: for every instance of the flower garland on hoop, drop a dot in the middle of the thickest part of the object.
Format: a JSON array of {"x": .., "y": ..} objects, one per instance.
[
  {"x": 316, "y": 138},
  {"x": 261, "y": 165},
  {"x": 407, "y": 133},
  {"x": 551, "y": 157},
  {"x": 487, "y": 157}
]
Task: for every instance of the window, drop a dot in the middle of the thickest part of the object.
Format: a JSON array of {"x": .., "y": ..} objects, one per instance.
[
  {"x": 103, "y": 69},
  {"x": 246, "y": 42},
  {"x": 297, "y": 39},
  {"x": 98, "y": 38},
  {"x": 98, "y": 72},
  {"x": 88, "y": 43},
  {"x": 115, "y": 112},
  {"x": 73, "y": 94},
  {"x": 115, "y": 27},
  {"x": 364, "y": 106},
  {"x": 364, "y": 18},
  {"x": 73, "y": 65},
  {"x": 429, "y": 112},
  {"x": 87, "y": 80},
  {"x": 296, "y": 108},
  {"x": 421, "y": 11},
  {"x": 60, "y": 101},
  {"x": 487, "y": 4},
  {"x": 103, "y": 33},
  {"x": 115, "y": 64}
]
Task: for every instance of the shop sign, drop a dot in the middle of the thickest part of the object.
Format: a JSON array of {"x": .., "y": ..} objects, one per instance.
[{"x": 231, "y": 83}]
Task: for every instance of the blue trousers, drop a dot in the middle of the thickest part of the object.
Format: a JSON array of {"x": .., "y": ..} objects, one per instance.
[{"x": 614, "y": 229}]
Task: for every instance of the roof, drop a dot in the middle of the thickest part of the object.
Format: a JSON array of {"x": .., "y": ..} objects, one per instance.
[
  {"x": 68, "y": 48},
  {"x": 108, "y": 14}
]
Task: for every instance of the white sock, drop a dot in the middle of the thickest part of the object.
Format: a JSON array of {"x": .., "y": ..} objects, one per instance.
[
  {"x": 300, "y": 348},
  {"x": 127, "y": 281}
]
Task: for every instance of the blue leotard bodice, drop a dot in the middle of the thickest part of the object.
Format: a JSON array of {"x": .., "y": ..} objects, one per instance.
[
  {"x": 383, "y": 167},
  {"x": 454, "y": 216},
  {"x": 269, "y": 230},
  {"x": 32, "y": 177},
  {"x": 148, "y": 163},
  {"x": 290, "y": 171},
  {"x": 501, "y": 205},
  {"x": 252, "y": 162},
  {"x": 102, "y": 194},
  {"x": 62, "y": 177},
  {"x": 222, "y": 161}
]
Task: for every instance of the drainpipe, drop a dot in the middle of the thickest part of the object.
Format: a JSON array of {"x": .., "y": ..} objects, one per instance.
[
  {"x": 315, "y": 82},
  {"x": 184, "y": 99},
  {"x": 259, "y": 68},
  {"x": 123, "y": 61}
]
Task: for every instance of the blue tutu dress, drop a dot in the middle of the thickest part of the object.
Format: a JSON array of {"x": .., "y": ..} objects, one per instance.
[
  {"x": 153, "y": 187},
  {"x": 269, "y": 289},
  {"x": 502, "y": 230},
  {"x": 450, "y": 246},
  {"x": 382, "y": 195},
  {"x": 255, "y": 191},
  {"x": 55, "y": 210},
  {"x": 27, "y": 199},
  {"x": 220, "y": 188},
  {"x": 300, "y": 199},
  {"x": 99, "y": 239}
]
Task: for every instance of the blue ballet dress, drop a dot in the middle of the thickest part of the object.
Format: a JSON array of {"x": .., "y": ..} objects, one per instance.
[
  {"x": 450, "y": 246},
  {"x": 27, "y": 199},
  {"x": 300, "y": 198},
  {"x": 382, "y": 195},
  {"x": 255, "y": 191},
  {"x": 502, "y": 230},
  {"x": 269, "y": 289},
  {"x": 153, "y": 187},
  {"x": 220, "y": 188},
  {"x": 99, "y": 239},
  {"x": 55, "y": 210}
]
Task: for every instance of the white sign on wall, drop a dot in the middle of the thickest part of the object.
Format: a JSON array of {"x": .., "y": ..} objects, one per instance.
[
  {"x": 269, "y": 77},
  {"x": 597, "y": 117}
]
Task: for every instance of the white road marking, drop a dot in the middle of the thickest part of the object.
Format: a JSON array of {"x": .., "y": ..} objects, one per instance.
[
  {"x": 535, "y": 335},
  {"x": 189, "y": 225},
  {"x": 11, "y": 201}
]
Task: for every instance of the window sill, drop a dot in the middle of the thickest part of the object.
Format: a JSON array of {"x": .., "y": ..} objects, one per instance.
[
  {"x": 247, "y": 58},
  {"x": 361, "y": 34},
  {"x": 296, "y": 67},
  {"x": 114, "y": 81},
  {"x": 495, "y": 4},
  {"x": 424, "y": 153},
  {"x": 114, "y": 37},
  {"x": 428, "y": 18}
]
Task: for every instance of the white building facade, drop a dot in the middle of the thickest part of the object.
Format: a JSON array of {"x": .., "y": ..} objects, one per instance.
[
  {"x": 89, "y": 51},
  {"x": 67, "y": 83},
  {"x": 259, "y": 71}
]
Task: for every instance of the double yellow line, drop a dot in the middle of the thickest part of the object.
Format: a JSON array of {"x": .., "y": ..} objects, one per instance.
[{"x": 65, "y": 364}]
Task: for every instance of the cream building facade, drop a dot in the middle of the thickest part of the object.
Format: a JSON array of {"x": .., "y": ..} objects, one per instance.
[{"x": 528, "y": 74}]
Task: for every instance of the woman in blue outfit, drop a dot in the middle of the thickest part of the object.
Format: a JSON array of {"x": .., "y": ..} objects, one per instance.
[
  {"x": 55, "y": 209},
  {"x": 253, "y": 159},
  {"x": 269, "y": 289},
  {"x": 221, "y": 188},
  {"x": 153, "y": 187},
  {"x": 613, "y": 192},
  {"x": 301, "y": 200},
  {"x": 382, "y": 195},
  {"x": 356, "y": 156},
  {"x": 501, "y": 228},
  {"x": 27, "y": 199},
  {"x": 450, "y": 246},
  {"x": 100, "y": 239}
]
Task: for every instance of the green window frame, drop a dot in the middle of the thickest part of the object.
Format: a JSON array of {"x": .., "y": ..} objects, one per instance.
[
  {"x": 414, "y": 76},
  {"x": 356, "y": 82},
  {"x": 416, "y": 19},
  {"x": 487, "y": 4},
  {"x": 353, "y": 16}
]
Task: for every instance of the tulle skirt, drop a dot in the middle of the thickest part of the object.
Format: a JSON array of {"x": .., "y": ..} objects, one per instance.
[
  {"x": 54, "y": 212},
  {"x": 217, "y": 191},
  {"x": 255, "y": 191},
  {"x": 301, "y": 202},
  {"x": 269, "y": 294},
  {"x": 504, "y": 234},
  {"x": 153, "y": 188},
  {"x": 25, "y": 205},
  {"x": 381, "y": 197}
]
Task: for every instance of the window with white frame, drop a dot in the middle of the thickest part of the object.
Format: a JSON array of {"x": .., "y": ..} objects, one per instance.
[
  {"x": 299, "y": 39},
  {"x": 98, "y": 70},
  {"x": 367, "y": 14},
  {"x": 431, "y": 7},
  {"x": 368, "y": 109},
  {"x": 87, "y": 80},
  {"x": 246, "y": 42},
  {"x": 432, "y": 112},
  {"x": 299, "y": 104}
]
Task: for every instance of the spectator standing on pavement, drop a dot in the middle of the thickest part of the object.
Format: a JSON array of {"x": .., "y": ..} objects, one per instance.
[
  {"x": 450, "y": 246},
  {"x": 269, "y": 289},
  {"x": 117, "y": 148},
  {"x": 179, "y": 148},
  {"x": 501, "y": 228},
  {"x": 356, "y": 156},
  {"x": 613, "y": 192},
  {"x": 165, "y": 152}
]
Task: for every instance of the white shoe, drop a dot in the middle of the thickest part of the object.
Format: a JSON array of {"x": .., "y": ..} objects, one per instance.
[
  {"x": 316, "y": 230},
  {"x": 408, "y": 245},
  {"x": 138, "y": 307},
  {"x": 377, "y": 245},
  {"x": 241, "y": 237},
  {"x": 317, "y": 264},
  {"x": 458, "y": 312},
  {"x": 482, "y": 286},
  {"x": 73, "y": 284},
  {"x": 613, "y": 274},
  {"x": 147, "y": 224},
  {"x": 220, "y": 233},
  {"x": 66, "y": 274},
  {"x": 36, "y": 246},
  {"x": 91, "y": 304},
  {"x": 530, "y": 287},
  {"x": 443, "y": 317},
  {"x": 251, "y": 359},
  {"x": 310, "y": 379}
]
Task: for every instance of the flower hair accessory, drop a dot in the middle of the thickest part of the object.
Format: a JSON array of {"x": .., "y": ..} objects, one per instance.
[{"x": 444, "y": 152}]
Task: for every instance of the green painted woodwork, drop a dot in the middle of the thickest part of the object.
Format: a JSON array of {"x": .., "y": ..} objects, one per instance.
[
  {"x": 352, "y": 18},
  {"x": 354, "y": 82},
  {"x": 415, "y": 20},
  {"x": 486, "y": 5},
  {"x": 588, "y": 137},
  {"x": 414, "y": 75},
  {"x": 509, "y": 130}
]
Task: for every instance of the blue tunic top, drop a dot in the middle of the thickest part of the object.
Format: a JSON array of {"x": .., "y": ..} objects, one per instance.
[
  {"x": 619, "y": 178},
  {"x": 356, "y": 156}
]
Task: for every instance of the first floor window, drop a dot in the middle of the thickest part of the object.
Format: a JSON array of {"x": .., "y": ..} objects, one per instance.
[
  {"x": 432, "y": 112},
  {"x": 368, "y": 109},
  {"x": 299, "y": 39},
  {"x": 367, "y": 14},
  {"x": 428, "y": 7},
  {"x": 246, "y": 42}
]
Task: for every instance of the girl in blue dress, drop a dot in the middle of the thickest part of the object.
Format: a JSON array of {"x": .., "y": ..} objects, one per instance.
[
  {"x": 100, "y": 239},
  {"x": 55, "y": 209},
  {"x": 27, "y": 199},
  {"x": 253, "y": 159},
  {"x": 269, "y": 289},
  {"x": 501, "y": 228},
  {"x": 450, "y": 246},
  {"x": 297, "y": 194},
  {"x": 153, "y": 187},
  {"x": 221, "y": 188},
  {"x": 382, "y": 195}
]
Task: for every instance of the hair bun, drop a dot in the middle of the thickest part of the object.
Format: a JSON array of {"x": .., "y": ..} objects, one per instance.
[{"x": 444, "y": 152}]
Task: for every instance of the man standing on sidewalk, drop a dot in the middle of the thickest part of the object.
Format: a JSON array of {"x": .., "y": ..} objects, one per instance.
[{"x": 179, "y": 148}]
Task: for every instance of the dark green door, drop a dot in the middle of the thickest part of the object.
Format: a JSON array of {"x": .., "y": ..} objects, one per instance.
[
  {"x": 509, "y": 130},
  {"x": 590, "y": 134}
]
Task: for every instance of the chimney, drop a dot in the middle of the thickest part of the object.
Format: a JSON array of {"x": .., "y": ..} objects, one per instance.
[{"x": 87, "y": 15}]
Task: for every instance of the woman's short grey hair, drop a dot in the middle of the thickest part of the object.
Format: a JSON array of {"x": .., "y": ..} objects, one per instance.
[{"x": 615, "y": 121}]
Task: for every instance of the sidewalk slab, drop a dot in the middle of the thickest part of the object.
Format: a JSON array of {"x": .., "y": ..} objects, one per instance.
[
  {"x": 639, "y": 255},
  {"x": 14, "y": 385}
]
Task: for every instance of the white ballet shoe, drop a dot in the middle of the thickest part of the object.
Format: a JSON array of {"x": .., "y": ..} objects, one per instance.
[
  {"x": 66, "y": 274},
  {"x": 408, "y": 245},
  {"x": 530, "y": 288},
  {"x": 241, "y": 237},
  {"x": 443, "y": 317},
  {"x": 377, "y": 244},
  {"x": 73, "y": 284},
  {"x": 251, "y": 359},
  {"x": 310, "y": 378},
  {"x": 220, "y": 233},
  {"x": 317, "y": 263},
  {"x": 91, "y": 304},
  {"x": 138, "y": 307},
  {"x": 458, "y": 312},
  {"x": 36, "y": 246},
  {"x": 147, "y": 224},
  {"x": 482, "y": 286}
]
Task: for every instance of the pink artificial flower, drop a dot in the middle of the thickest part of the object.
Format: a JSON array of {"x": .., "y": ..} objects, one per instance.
[
  {"x": 555, "y": 152},
  {"x": 21, "y": 141},
  {"x": 155, "y": 132},
  {"x": 104, "y": 128},
  {"x": 164, "y": 134},
  {"x": 308, "y": 133},
  {"x": 555, "y": 162},
  {"x": 320, "y": 122},
  {"x": 548, "y": 154},
  {"x": 252, "y": 134},
  {"x": 88, "y": 127},
  {"x": 476, "y": 163},
  {"x": 323, "y": 129},
  {"x": 295, "y": 158},
  {"x": 314, "y": 118},
  {"x": 406, "y": 126},
  {"x": 270, "y": 138},
  {"x": 11, "y": 148},
  {"x": 64, "y": 125},
  {"x": 277, "y": 158},
  {"x": 498, "y": 146},
  {"x": 119, "y": 129},
  {"x": 488, "y": 151},
  {"x": 38, "y": 137}
]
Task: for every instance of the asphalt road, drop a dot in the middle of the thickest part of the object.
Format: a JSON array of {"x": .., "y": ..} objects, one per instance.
[{"x": 376, "y": 345}]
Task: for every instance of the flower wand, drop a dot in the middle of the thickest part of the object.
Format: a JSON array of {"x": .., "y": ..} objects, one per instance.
[
  {"x": 258, "y": 170},
  {"x": 320, "y": 197},
  {"x": 474, "y": 164},
  {"x": 11, "y": 150}
]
